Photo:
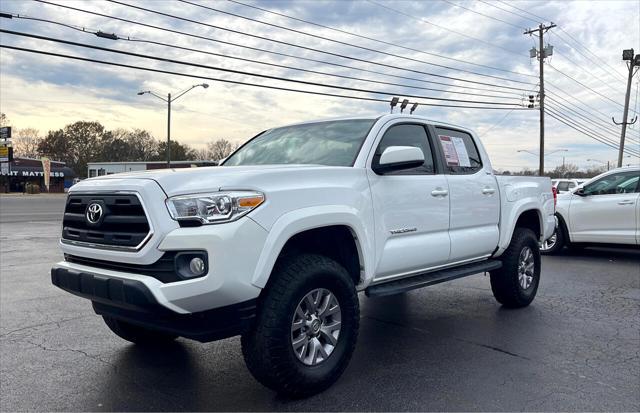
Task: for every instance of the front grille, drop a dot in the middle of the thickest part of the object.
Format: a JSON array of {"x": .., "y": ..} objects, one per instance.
[{"x": 121, "y": 224}]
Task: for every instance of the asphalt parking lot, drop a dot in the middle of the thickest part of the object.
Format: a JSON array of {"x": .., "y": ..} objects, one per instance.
[{"x": 448, "y": 347}]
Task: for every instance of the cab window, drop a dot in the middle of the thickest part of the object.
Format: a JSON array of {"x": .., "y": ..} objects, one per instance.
[{"x": 407, "y": 135}]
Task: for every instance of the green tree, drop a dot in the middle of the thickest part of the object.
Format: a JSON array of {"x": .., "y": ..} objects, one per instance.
[
  {"x": 76, "y": 144},
  {"x": 179, "y": 152}
]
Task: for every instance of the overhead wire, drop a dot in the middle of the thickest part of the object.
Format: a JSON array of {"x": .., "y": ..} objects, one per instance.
[
  {"x": 482, "y": 14},
  {"x": 290, "y": 44},
  {"x": 243, "y": 72},
  {"x": 235, "y": 82},
  {"x": 423, "y": 20},
  {"x": 583, "y": 85},
  {"x": 196, "y": 36},
  {"x": 567, "y": 120},
  {"x": 303, "y": 47},
  {"x": 206, "y": 52},
  {"x": 253, "y": 6}
]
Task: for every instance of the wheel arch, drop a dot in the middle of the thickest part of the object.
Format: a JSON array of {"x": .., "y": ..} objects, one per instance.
[{"x": 337, "y": 234}]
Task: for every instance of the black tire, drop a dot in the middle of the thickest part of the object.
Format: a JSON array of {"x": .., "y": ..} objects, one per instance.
[
  {"x": 137, "y": 334},
  {"x": 505, "y": 281},
  {"x": 268, "y": 349}
]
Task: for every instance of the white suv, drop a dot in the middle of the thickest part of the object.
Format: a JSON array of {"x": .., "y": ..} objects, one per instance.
[{"x": 605, "y": 210}]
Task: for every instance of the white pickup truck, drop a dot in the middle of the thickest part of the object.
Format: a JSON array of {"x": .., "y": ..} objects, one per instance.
[{"x": 276, "y": 243}]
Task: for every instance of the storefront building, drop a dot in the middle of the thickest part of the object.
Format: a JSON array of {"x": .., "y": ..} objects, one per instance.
[{"x": 17, "y": 174}]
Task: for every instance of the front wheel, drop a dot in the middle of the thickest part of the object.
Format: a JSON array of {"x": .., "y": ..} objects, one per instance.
[
  {"x": 515, "y": 284},
  {"x": 306, "y": 328}
]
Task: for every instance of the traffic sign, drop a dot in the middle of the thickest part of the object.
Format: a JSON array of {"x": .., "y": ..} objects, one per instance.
[
  {"x": 5, "y": 132},
  {"x": 6, "y": 154}
]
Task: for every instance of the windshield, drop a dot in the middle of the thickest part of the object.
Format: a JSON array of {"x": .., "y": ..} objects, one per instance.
[{"x": 333, "y": 143}]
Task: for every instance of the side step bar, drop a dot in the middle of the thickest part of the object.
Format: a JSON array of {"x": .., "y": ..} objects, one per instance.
[{"x": 431, "y": 278}]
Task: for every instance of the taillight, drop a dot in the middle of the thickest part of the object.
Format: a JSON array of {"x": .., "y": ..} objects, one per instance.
[{"x": 555, "y": 197}]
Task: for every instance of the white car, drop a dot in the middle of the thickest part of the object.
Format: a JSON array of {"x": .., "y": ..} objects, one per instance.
[
  {"x": 276, "y": 243},
  {"x": 604, "y": 210},
  {"x": 566, "y": 185}
]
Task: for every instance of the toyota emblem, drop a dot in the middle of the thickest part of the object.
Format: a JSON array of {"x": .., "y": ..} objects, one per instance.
[{"x": 94, "y": 213}]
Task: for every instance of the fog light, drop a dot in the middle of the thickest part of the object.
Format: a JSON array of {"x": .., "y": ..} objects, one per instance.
[
  {"x": 191, "y": 264},
  {"x": 197, "y": 266}
]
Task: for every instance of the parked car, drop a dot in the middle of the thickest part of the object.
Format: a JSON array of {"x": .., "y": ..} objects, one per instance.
[
  {"x": 566, "y": 185},
  {"x": 604, "y": 210},
  {"x": 276, "y": 243}
]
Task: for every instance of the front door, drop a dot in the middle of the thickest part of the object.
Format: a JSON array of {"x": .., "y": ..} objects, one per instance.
[
  {"x": 411, "y": 208},
  {"x": 606, "y": 213}
]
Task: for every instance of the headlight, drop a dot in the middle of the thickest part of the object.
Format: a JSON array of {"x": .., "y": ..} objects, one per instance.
[{"x": 214, "y": 207}]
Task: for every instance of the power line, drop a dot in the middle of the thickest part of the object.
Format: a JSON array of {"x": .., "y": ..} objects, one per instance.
[
  {"x": 373, "y": 39},
  {"x": 539, "y": 18},
  {"x": 236, "y": 82},
  {"x": 95, "y": 32},
  {"x": 242, "y": 72},
  {"x": 511, "y": 12},
  {"x": 303, "y": 47},
  {"x": 229, "y": 70},
  {"x": 574, "y": 125},
  {"x": 423, "y": 20},
  {"x": 599, "y": 79},
  {"x": 196, "y": 36},
  {"x": 605, "y": 116},
  {"x": 255, "y": 36},
  {"x": 585, "y": 86},
  {"x": 603, "y": 126},
  {"x": 482, "y": 14}
]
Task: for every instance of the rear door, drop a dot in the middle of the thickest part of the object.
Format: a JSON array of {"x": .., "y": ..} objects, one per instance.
[
  {"x": 608, "y": 213},
  {"x": 474, "y": 196},
  {"x": 411, "y": 207}
]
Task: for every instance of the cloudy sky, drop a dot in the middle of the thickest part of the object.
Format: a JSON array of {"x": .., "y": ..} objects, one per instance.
[{"x": 481, "y": 43}]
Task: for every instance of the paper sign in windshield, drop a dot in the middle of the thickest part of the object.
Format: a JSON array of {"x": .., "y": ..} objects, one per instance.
[{"x": 455, "y": 152}]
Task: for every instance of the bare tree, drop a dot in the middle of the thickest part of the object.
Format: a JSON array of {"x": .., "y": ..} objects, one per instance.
[
  {"x": 220, "y": 149},
  {"x": 4, "y": 121},
  {"x": 26, "y": 141}
]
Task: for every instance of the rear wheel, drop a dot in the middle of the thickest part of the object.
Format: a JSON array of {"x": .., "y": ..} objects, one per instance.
[
  {"x": 515, "y": 284},
  {"x": 137, "y": 334},
  {"x": 306, "y": 328},
  {"x": 555, "y": 243}
]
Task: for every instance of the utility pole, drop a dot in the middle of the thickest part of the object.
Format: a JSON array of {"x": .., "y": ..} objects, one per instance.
[
  {"x": 542, "y": 53},
  {"x": 169, "y": 130},
  {"x": 634, "y": 61}
]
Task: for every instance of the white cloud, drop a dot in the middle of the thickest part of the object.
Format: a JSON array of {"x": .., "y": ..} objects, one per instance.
[{"x": 48, "y": 93}]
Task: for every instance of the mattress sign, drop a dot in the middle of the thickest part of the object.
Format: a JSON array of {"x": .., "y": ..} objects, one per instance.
[{"x": 455, "y": 151}]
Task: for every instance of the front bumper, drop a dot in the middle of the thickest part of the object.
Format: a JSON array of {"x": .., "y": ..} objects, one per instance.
[{"x": 132, "y": 301}]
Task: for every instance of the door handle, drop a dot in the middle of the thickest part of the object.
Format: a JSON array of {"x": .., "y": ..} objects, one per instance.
[
  {"x": 488, "y": 190},
  {"x": 439, "y": 192},
  {"x": 626, "y": 202}
]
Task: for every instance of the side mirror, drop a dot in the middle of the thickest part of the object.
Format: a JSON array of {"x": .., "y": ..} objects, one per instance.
[
  {"x": 580, "y": 192},
  {"x": 397, "y": 158}
]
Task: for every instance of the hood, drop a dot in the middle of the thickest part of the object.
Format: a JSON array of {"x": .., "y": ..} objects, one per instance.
[{"x": 181, "y": 181}]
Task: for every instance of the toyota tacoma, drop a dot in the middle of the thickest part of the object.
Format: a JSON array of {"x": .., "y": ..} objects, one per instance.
[{"x": 276, "y": 243}]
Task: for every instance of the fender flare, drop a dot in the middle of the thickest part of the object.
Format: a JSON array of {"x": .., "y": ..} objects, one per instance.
[
  {"x": 300, "y": 220},
  {"x": 514, "y": 216}
]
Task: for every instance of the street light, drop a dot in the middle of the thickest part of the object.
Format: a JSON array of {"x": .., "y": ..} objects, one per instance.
[
  {"x": 169, "y": 100},
  {"x": 599, "y": 161}
]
